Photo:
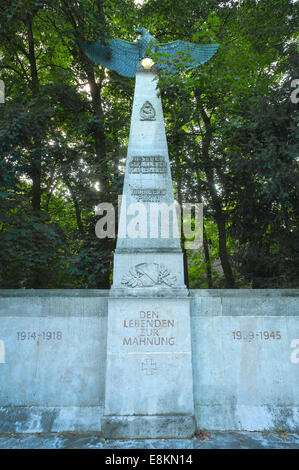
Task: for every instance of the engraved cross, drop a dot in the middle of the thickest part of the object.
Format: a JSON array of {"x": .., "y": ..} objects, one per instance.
[{"x": 149, "y": 367}]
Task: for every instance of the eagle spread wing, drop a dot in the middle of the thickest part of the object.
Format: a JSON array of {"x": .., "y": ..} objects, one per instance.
[
  {"x": 179, "y": 52},
  {"x": 116, "y": 54}
]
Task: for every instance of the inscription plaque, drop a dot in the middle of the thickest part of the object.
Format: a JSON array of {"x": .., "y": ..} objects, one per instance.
[
  {"x": 148, "y": 194},
  {"x": 149, "y": 329},
  {"x": 148, "y": 164}
]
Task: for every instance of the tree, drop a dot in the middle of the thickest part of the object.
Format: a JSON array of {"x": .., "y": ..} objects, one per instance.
[{"x": 231, "y": 130}]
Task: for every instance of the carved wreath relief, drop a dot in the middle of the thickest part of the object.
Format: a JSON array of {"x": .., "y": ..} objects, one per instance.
[
  {"x": 148, "y": 275},
  {"x": 147, "y": 112}
]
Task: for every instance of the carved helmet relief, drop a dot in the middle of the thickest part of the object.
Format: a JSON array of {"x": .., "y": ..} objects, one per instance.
[
  {"x": 148, "y": 275},
  {"x": 147, "y": 112}
]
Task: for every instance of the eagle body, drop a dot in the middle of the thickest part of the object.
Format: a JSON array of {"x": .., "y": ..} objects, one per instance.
[
  {"x": 124, "y": 56},
  {"x": 147, "y": 42}
]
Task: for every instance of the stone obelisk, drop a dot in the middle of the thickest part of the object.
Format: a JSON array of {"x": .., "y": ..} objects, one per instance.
[{"x": 149, "y": 385}]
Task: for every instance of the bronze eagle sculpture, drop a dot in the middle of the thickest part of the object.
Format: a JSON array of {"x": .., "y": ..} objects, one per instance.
[{"x": 123, "y": 56}]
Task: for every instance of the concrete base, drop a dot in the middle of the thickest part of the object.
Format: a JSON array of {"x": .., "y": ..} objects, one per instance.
[
  {"x": 252, "y": 418},
  {"x": 28, "y": 419},
  {"x": 149, "y": 386},
  {"x": 149, "y": 369},
  {"x": 50, "y": 383},
  {"x": 151, "y": 427}
]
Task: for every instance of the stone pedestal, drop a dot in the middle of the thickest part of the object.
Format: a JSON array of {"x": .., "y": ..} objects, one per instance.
[
  {"x": 149, "y": 388},
  {"x": 149, "y": 385}
]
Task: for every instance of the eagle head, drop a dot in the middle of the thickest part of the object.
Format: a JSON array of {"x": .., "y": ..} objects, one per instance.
[{"x": 141, "y": 31}]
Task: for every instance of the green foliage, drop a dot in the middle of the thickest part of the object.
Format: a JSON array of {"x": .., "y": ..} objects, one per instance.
[{"x": 231, "y": 128}]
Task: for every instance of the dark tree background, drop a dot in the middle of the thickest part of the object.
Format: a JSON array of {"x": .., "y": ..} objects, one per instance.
[{"x": 231, "y": 126}]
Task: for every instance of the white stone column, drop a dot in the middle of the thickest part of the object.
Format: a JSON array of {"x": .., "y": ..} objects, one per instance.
[
  {"x": 149, "y": 385},
  {"x": 148, "y": 181}
]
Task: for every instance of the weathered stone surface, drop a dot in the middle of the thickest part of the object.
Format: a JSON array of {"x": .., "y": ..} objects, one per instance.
[
  {"x": 245, "y": 302},
  {"x": 211, "y": 440},
  {"x": 48, "y": 361},
  {"x": 27, "y": 419},
  {"x": 149, "y": 381},
  {"x": 125, "y": 264},
  {"x": 237, "y": 384},
  {"x": 119, "y": 427},
  {"x": 149, "y": 371},
  {"x": 246, "y": 373},
  {"x": 147, "y": 177}
]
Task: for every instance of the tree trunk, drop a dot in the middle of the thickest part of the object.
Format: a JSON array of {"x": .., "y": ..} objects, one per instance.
[
  {"x": 76, "y": 205},
  {"x": 98, "y": 131},
  {"x": 216, "y": 202},
  {"x": 207, "y": 259},
  {"x": 180, "y": 201},
  {"x": 36, "y": 155},
  {"x": 225, "y": 263},
  {"x": 36, "y": 164},
  {"x": 220, "y": 221}
]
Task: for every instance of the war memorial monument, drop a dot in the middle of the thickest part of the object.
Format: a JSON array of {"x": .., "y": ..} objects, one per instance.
[{"x": 149, "y": 358}]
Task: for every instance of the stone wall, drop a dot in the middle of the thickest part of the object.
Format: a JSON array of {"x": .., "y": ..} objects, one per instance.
[
  {"x": 245, "y": 349},
  {"x": 245, "y": 359}
]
